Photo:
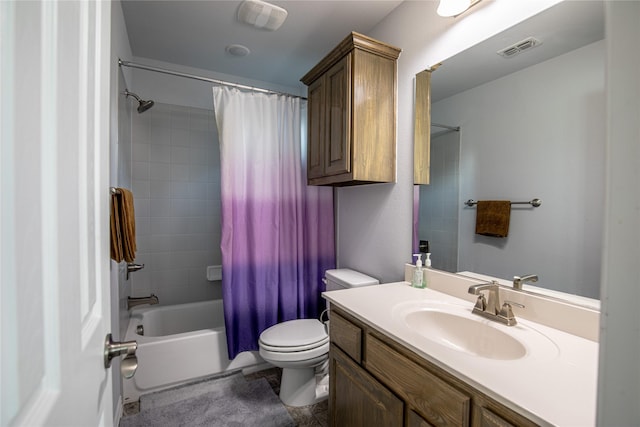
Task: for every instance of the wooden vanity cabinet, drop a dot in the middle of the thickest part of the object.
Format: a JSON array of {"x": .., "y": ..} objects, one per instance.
[
  {"x": 374, "y": 381},
  {"x": 352, "y": 114}
]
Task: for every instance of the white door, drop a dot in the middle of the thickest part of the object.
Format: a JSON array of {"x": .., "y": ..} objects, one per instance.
[{"x": 54, "y": 206}]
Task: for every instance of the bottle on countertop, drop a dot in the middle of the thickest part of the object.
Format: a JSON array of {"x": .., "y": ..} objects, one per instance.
[
  {"x": 427, "y": 265},
  {"x": 418, "y": 276}
]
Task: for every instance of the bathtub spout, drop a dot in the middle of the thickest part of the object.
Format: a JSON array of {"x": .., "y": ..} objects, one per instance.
[{"x": 132, "y": 302}]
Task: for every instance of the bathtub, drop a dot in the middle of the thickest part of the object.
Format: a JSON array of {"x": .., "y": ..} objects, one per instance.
[{"x": 179, "y": 343}]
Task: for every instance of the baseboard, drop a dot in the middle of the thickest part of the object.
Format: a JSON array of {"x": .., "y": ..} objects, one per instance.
[
  {"x": 118, "y": 415},
  {"x": 256, "y": 368}
]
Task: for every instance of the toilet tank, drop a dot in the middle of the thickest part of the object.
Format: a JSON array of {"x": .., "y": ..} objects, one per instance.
[{"x": 344, "y": 278}]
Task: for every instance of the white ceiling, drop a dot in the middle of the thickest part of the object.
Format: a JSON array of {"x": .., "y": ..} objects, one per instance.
[{"x": 195, "y": 34}]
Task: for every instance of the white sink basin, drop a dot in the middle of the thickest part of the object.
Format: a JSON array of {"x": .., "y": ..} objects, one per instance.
[{"x": 455, "y": 327}]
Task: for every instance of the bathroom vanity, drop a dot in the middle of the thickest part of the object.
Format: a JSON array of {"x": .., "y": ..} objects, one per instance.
[{"x": 418, "y": 357}]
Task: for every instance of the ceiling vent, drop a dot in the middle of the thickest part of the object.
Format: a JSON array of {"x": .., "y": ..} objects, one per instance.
[
  {"x": 521, "y": 46},
  {"x": 261, "y": 14}
]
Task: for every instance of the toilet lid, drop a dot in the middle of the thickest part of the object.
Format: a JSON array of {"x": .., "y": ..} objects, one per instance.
[{"x": 295, "y": 334}]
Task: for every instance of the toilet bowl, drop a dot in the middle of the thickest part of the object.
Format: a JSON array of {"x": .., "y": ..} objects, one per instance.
[
  {"x": 301, "y": 347},
  {"x": 298, "y": 347}
]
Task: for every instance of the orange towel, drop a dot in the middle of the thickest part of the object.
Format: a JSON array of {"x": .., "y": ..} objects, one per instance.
[
  {"x": 492, "y": 217},
  {"x": 116, "y": 235},
  {"x": 123, "y": 226}
]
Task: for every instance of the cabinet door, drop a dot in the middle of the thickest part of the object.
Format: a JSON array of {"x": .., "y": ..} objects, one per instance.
[
  {"x": 357, "y": 399},
  {"x": 490, "y": 419},
  {"x": 433, "y": 398},
  {"x": 316, "y": 129},
  {"x": 416, "y": 420},
  {"x": 338, "y": 117}
]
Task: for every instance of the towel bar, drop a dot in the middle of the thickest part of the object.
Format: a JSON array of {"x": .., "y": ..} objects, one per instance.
[{"x": 535, "y": 202}]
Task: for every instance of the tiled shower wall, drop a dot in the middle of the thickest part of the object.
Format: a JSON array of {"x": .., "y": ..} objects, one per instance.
[
  {"x": 176, "y": 186},
  {"x": 439, "y": 202}
]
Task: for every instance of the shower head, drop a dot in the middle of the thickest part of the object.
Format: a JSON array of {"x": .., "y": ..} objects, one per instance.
[{"x": 142, "y": 104}]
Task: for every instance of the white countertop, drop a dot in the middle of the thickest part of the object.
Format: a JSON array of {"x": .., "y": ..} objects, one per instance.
[{"x": 556, "y": 388}]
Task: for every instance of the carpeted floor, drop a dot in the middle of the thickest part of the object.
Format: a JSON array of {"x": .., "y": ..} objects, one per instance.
[
  {"x": 231, "y": 400},
  {"x": 305, "y": 416}
]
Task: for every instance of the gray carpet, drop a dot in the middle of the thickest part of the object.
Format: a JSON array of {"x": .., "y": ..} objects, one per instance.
[{"x": 230, "y": 401}]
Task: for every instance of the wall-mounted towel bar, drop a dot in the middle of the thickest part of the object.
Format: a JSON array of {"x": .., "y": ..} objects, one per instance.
[
  {"x": 535, "y": 202},
  {"x": 114, "y": 190}
]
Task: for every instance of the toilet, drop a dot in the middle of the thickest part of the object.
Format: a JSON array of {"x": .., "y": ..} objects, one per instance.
[{"x": 301, "y": 347}]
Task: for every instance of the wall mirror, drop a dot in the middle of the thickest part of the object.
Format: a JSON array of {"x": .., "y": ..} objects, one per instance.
[{"x": 531, "y": 124}]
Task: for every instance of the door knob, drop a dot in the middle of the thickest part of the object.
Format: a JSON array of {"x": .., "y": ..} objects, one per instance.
[
  {"x": 128, "y": 366},
  {"x": 113, "y": 349}
]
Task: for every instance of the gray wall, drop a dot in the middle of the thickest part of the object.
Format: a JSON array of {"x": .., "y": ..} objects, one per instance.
[
  {"x": 619, "y": 376},
  {"x": 542, "y": 135},
  {"x": 374, "y": 222}
]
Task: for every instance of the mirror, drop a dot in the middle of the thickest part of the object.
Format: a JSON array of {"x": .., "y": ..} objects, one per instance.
[{"x": 531, "y": 125}]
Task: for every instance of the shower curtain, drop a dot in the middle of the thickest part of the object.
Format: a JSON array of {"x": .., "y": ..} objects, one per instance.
[{"x": 277, "y": 232}]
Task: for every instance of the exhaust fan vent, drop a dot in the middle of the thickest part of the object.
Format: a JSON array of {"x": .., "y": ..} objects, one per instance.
[{"x": 521, "y": 46}]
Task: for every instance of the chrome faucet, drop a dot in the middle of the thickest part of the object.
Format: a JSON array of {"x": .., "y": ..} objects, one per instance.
[
  {"x": 132, "y": 302},
  {"x": 493, "y": 303},
  {"x": 491, "y": 307},
  {"x": 519, "y": 281}
]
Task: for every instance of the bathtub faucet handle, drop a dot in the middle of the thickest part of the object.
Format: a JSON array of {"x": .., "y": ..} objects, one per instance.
[
  {"x": 132, "y": 302},
  {"x": 132, "y": 267}
]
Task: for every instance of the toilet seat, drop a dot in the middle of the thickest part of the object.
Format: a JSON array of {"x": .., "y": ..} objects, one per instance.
[{"x": 294, "y": 340}]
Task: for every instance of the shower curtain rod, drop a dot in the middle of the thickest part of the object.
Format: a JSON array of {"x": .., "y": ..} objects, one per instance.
[
  {"x": 456, "y": 128},
  {"x": 204, "y": 79}
]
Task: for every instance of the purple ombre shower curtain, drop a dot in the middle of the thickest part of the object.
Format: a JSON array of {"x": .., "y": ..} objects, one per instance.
[{"x": 277, "y": 232}]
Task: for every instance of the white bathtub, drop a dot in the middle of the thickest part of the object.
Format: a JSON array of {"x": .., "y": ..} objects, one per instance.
[{"x": 180, "y": 342}]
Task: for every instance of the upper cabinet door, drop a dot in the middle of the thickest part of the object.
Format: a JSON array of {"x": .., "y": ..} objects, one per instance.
[
  {"x": 316, "y": 129},
  {"x": 338, "y": 145},
  {"x": 422, "y": 129}
]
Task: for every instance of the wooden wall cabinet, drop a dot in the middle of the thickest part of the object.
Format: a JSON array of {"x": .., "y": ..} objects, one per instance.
[
  {"x": 352, "y": 97},
  {"x": 422, "y": 128},
  {"x": 375, "y": 381}
]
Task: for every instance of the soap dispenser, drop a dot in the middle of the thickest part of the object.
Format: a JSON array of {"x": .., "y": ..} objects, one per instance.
[
  {"x": 418, "y": 277},
  {"x": 427, "y": 265}
]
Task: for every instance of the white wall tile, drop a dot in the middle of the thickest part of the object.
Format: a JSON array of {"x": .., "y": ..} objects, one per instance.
[
  {"x": 141, "y": 206},
  {"x": 200, "y": 138},
  {"x": 181, "y": 208},
  {"x": 160, "y": 135},
  {"x": 180, "y": 155},
  {"x": 177, "y": 202},
  {"x": 160, "y": 189},
  {"x": 181, "y": 190},
  {"x": 140, "y": 171},
  {"x": 199, "y": 155},
  {"x": 140, "y": 189},
  {"x": 179, "y": 137},
  {"x": 140, "y": 152},
  {"x": 160, "y": 208},
  {"x": 160, "y": 171},
  {"x": 160, "y": 225},
  {"x": 160, "y": 153},
  {"x": 142, "y": 226},
  {"x": 179, "y": 172},
  {"x": 159, "y": 243}
]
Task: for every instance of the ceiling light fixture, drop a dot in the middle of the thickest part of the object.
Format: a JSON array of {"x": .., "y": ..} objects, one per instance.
[
  {"x": 448, "y": 8},
  {"x": 261, "y": 14}
]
